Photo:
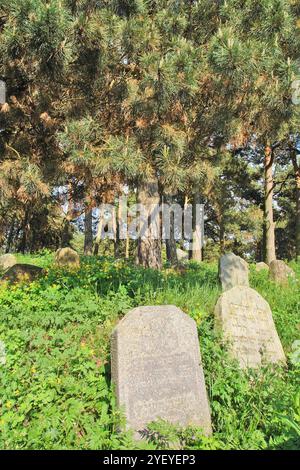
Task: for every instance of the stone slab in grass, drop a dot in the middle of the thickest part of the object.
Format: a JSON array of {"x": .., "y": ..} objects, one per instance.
[
  {"x": 22, "y": 273},
  {"x": 157, "y": 371}
]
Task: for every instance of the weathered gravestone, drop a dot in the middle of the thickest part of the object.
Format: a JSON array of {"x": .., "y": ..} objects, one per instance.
[
  {"x": 22, "y": 273},
  {"x": 66, "y": 257},
  {"x": 233, "y": 271},
  {"x": 7, "y": 261},
  {"x": 246, "y": 321},
  {"x": 261, "y": 266},
  {"x": 280, "y": 272},
  {"x": 157, "y": 371}
]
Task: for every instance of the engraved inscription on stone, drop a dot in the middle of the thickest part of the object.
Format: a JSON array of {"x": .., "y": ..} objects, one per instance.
[
  {"x": 246, "y": 321},
  {"x": 156, "y": 369},
  {"x": 233, "y": 271}
]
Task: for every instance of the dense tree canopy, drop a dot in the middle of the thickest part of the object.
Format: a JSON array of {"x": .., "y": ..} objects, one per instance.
[{"x": 188, "y": 100}]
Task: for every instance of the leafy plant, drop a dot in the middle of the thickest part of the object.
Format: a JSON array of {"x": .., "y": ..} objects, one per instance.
[{"x": 56, "y": 390}]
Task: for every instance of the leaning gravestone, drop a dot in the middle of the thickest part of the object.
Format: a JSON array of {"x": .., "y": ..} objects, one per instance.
[
  {"x": 157, "y": 371},
  {"x": 22, "y": 273},
  {"x": 280, "y": 272},
  {"x": 7, "y": 261},
  {"x": 233, "y": 271},
  {"x": 66, "y": 257},
  {"x": 246, "y": 321}
]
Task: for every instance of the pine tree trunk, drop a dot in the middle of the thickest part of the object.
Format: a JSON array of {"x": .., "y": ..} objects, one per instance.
[
  {"x": 25, "y": 232},
  {"x": 222, "y": 235},
  {"x": 127, "y": 242},
  {"x": 99, "y": 232},
  {"x": 297, "y": 179},
  {"x": 116, "y": 222},
  {"x": 149, "y": 243},
  {"x": 10, "y": 237},
  {"x": 298, "y": 215},
  {"x": 268, "y": 216},
  {"x": 127, "y": 248},
  {"x": 67, "y": 233},
  {"x": 171, "y": 251},
  {"x": 197, "y": 230},
  {"x": 88, "y": 232}
]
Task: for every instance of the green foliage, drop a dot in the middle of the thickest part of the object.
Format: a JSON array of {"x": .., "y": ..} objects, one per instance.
[
  {"x": 285, "y": 304},
  {"x": 55, "y": 382}
]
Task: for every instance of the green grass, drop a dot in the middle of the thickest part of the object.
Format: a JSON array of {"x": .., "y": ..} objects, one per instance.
[{"x": 55, "y": 385}]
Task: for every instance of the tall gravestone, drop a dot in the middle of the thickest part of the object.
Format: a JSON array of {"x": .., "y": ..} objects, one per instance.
[
  {"x": 246, "y": 321},
  {"x": 157, "y": 371},
  {"x": 233, "y": 271}
]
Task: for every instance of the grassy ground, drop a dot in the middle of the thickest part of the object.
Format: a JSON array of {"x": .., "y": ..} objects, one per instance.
[{"x": 55, "y": 385}]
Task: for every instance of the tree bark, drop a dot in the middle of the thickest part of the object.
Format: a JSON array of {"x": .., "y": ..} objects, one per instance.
[
  {"x": 222, "y": 235},
  {"x": 171, "y": 250},
  {"x": 117, "y": 215},
  {"x": 88, "y": 231},
  {"x": 268, "y": 216},
  {"x": 25, "y": 232},
  {"x": 297, "y": 179},
  {"x": 67, "y": 233},
  {"x": 149, "y": 242},
  {"x": 10, "y": 237},
  {"x": 127, "y": 247},
  {"x": 197, "y": 230},
  {"x": 99, "y": 231}
]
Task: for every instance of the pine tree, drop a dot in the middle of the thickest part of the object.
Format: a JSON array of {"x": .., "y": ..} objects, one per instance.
[
  {"x": 254, "y": 52},
  {"x": 34, "y": 57}
]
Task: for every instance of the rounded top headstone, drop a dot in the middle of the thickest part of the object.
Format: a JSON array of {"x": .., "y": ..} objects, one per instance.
[
  {"x": 233, "y": 271},
  {"x": 67, "y": 257},
  {"x": 156, "y": 368}
]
